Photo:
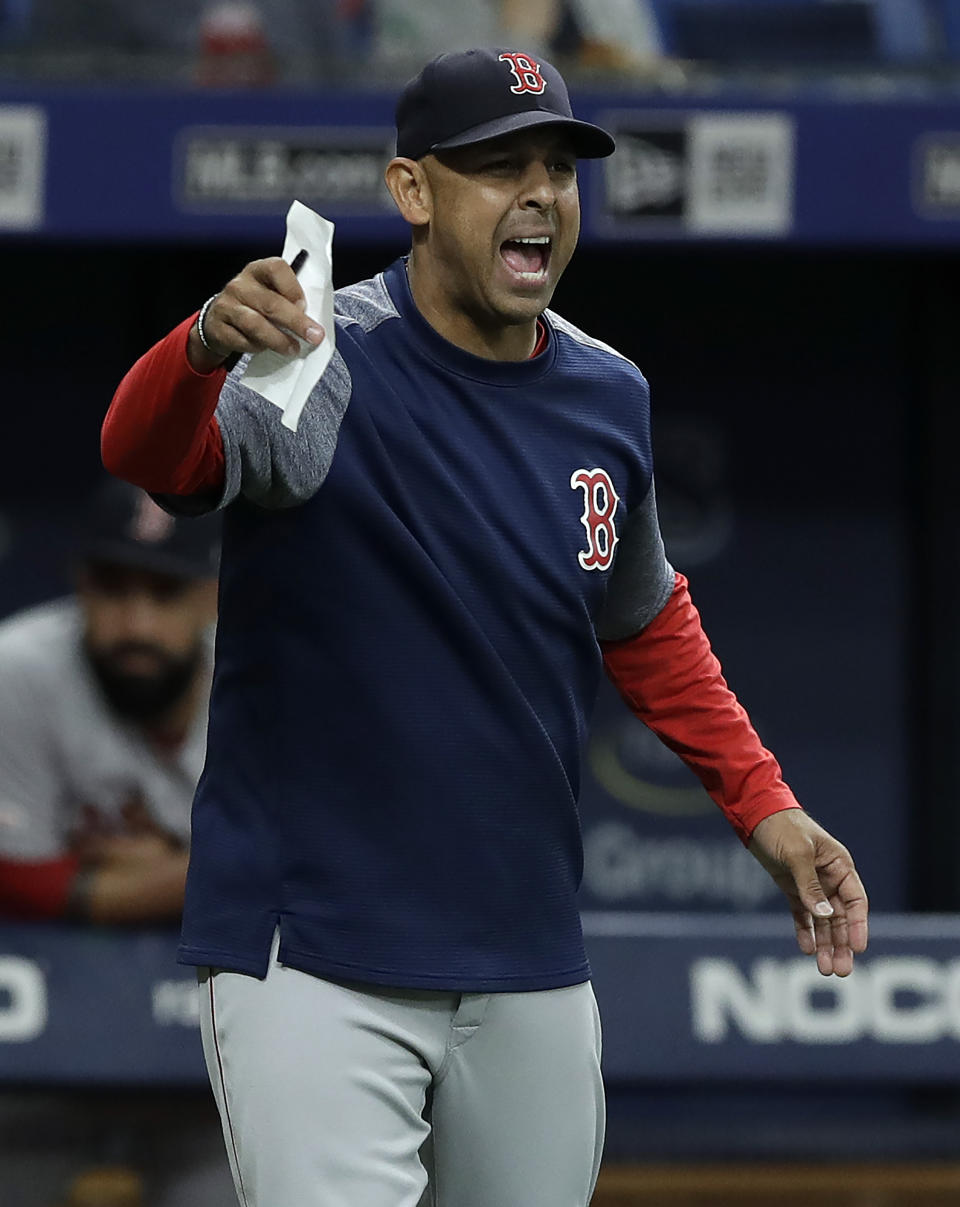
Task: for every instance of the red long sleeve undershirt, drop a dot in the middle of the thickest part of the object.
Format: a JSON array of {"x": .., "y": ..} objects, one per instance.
[
  {"x": 160, "y": 433},
  {"x": 672, "y": 681}
]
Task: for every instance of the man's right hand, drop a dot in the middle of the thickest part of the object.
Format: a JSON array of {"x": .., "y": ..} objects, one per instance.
[{"x": 258, "y": 309}]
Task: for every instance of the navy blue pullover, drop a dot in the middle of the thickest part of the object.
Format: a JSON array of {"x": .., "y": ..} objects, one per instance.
[{"x": 412, "y": 589}]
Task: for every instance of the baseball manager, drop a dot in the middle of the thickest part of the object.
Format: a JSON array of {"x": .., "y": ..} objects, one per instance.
[{"x": 419, "y": 590}]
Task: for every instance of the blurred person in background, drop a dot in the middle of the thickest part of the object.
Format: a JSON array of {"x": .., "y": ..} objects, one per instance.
[
  {"x": 416, "y": 29},
  {"x": 290, "y": 28},
  {"x": 257, "y": 43},
  {"x": 217, "y": 43},
  {"x": 125, "y": 26},
  {"x": 103, "y": 708},
  {"x": 598, "y": 34}
]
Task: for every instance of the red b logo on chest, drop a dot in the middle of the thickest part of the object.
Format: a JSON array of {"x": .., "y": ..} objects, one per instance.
[
  {"x": 600, "y": 502},
  {"x": 526, "y": 72}
]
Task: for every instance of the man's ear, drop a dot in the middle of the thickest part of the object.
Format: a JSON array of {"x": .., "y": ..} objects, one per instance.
[{"x": 410, "y": 189}]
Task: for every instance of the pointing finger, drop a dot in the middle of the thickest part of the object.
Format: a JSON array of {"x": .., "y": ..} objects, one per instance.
[
  {"x": 276, "y": 274},
  {"x": 268, "y": 288}
]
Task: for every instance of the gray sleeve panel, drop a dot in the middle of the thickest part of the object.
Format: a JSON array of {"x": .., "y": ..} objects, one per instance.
[
  {"x": 367, "y": 303},
  {"x": 642, "y": 579},
  {"x": 266, "y": 462}
]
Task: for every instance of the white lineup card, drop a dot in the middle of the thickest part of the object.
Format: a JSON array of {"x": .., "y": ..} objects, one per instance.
[{"x": 286, "y": 381}]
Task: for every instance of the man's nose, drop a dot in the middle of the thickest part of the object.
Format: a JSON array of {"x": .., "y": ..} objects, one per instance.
[
  {"x": 539, "y": 191},
  {"x": 139, "y": 617}
]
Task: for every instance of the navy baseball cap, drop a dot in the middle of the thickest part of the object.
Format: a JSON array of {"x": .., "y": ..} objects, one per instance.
[
  {"x": 123, "y": 526},
  {"x": 469, "y": 96}
]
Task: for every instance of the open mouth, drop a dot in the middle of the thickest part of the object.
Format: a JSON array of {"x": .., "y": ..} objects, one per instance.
[{"x": 527, "y": 258}]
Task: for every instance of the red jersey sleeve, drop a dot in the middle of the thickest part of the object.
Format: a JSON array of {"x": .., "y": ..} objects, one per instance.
[
  {"x": 36, "y": 890},
  {"x": 160, "y": 431},
  {"x": 672, "y": 681}
]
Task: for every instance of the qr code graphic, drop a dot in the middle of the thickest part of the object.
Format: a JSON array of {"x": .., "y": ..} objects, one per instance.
[
  {"x": 23, "y": 139},
  {"x": 741, "y": 171}
]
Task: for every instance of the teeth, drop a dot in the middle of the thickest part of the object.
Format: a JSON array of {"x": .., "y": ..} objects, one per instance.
[{"x": 537, "y": 239}]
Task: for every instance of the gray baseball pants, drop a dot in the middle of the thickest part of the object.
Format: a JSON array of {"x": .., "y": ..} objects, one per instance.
[{"x": 345, "y": 1095}]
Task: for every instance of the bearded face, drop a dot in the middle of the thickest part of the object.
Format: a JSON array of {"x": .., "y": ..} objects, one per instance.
[{"x": 143, "y": 636}]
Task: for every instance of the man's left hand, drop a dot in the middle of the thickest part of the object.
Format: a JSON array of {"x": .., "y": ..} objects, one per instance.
[{"x": 818, "y": 878}]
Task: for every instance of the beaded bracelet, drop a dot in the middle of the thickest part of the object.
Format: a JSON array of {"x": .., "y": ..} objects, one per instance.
[{"x": 201, "y": 316}]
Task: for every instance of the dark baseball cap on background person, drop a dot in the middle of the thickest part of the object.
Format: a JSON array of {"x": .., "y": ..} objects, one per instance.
[
  {"x": 123, "y": 526},
  {"x": 469, "y": 96}
]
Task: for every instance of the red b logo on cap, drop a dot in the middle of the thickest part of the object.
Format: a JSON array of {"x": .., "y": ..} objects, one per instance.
[{"x": 526, "y": 73}]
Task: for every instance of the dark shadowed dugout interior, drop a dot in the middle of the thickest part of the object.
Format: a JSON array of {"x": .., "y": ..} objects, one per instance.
[{"x": 805, "y": 427}]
